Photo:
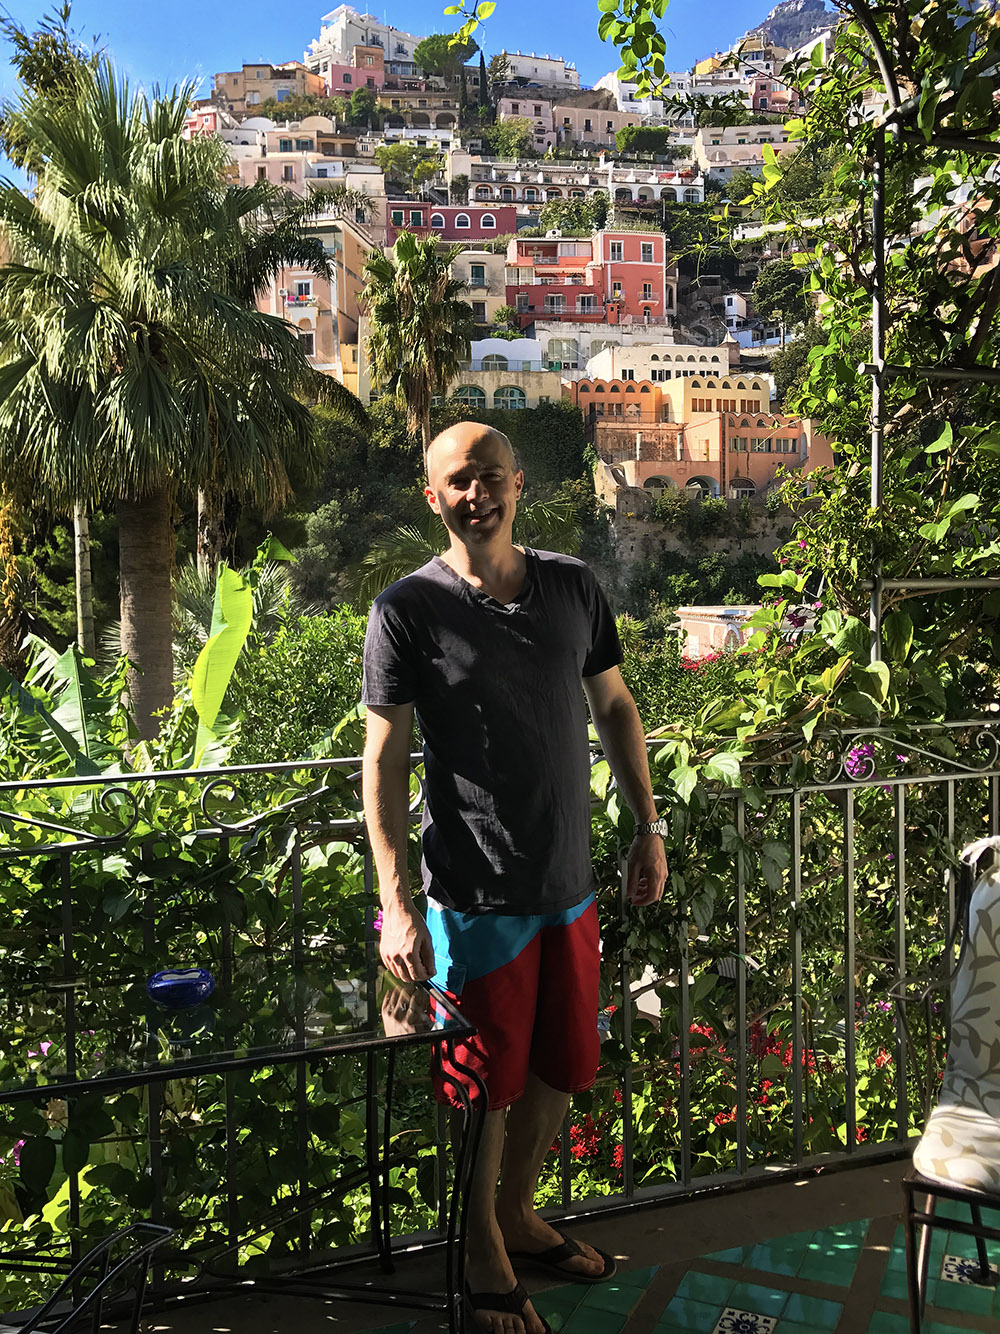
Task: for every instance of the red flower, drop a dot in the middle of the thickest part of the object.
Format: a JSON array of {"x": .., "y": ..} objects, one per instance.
[
  {"x": 861, "y": 1134},
  {"x": 883, "y": 1058},
  {"x": 723, "y": 1118},
  {"x": 618, "y": 1157}
]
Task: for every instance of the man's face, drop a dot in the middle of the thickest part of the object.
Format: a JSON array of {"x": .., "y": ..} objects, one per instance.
[{"x": 473, "y": 486}]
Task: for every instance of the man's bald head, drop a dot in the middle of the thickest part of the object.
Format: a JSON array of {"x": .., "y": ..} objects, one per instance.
[{"x": 464, "y": 435}]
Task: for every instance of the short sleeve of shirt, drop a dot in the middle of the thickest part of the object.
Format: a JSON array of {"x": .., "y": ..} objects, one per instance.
[
  {"x": 606, "y": 650},
  {"x": 389, "y": 661}
]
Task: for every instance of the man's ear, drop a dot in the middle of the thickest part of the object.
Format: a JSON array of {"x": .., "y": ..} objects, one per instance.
[
  {"x": 432, "y": 500},
  {"x": 519, "y": 481}
]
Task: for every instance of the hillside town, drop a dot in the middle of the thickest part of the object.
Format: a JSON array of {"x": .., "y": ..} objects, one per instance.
[{"x": 568, "y": 203}]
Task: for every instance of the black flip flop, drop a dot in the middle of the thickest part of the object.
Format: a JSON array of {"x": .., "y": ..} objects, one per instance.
[
  {"x": 552, "y": 1261},
  {"x": 508, "y": 1303}
]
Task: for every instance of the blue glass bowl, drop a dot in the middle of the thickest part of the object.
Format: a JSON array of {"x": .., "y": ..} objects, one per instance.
[{"x": 180, "y": 988}]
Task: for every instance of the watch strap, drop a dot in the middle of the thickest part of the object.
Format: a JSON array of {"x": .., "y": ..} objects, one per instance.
[{"x": 658, "y": 826}]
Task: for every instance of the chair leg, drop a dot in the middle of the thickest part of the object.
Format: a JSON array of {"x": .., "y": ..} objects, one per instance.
[
  {"x": 924, "y": 1258},
  {"x": 912, "y": 1272},
  {"x": 985, "y": 1272}
]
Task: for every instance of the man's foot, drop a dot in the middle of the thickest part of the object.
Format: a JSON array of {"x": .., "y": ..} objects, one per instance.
[
  {"x": 530, "y": 1239},
  {"x": 506, "y": 1312}
]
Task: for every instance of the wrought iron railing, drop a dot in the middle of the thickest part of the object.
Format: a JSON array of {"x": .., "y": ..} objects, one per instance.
[{"x": 754, "y": 1022}]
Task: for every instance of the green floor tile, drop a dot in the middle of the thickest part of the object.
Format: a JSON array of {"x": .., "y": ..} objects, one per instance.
[
  {"x": 894, "y": 1284},
  {"x": 885, "y": 1323},
  {"x": 589, "y": 1321},
  {"x": 819, "y": 1269},
  {"x": 734, "y": 1256},
  {"x": 698, "y": 1317},
  {"x": 812, "y": 1311},
  {"x": 637, "y": 1278},
  {"x": 706, "y": 1288},
  {"x": 774, "y": 1259},
  {"x": 611, "y": 1297},
  {"x": 564, "y": 1299},
  {"x": 752, "y": 1297},
  {"x": 960, "y": 1296}
]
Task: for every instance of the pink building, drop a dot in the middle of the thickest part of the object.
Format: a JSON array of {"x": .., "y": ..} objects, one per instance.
[
  {"x": 635, "y": 273},
  {"x": 451, "y": 222},
  {"x": 366, "y": 70},
  {"x": 612, "y": 276},
  {"x": 771, "y": 94}
]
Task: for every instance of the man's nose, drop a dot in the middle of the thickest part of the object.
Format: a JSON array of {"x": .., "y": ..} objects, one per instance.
[{"x": 475, "y": 490}]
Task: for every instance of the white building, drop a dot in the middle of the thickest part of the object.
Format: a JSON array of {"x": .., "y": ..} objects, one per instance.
[
  {"x": 584, "y": 350},
  {"x": 659, "y": 362},
  {"x": 345, "y": 28},
  {"x": 542, "y": 69},
  {"x": 650, "y": 108}
]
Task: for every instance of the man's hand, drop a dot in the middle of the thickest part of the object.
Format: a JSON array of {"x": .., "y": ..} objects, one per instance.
[
  {"x": 405, "y": 1011},
  {"x": 647, "y": 870},
  {"x": 405, "y": 944}
]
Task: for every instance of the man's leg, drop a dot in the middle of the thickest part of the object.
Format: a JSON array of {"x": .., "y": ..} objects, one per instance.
[
  {"x": 487, "y": 1268},
  {"x": 533, "y": 1122}
]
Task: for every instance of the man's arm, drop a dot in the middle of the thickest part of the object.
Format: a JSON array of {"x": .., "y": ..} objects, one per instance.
[
  {"x": 405, "y": 943},
  {"x": 617, "y": 721}
]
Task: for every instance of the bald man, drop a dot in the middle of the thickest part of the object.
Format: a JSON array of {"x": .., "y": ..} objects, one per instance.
[{"x": 490, "y": 644}]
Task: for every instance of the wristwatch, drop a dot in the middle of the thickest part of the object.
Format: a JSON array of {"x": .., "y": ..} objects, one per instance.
[{"x": 659, "y": 826}]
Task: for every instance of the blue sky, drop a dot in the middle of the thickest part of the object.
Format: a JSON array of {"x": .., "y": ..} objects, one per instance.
[{"x": 164, "y": 41}]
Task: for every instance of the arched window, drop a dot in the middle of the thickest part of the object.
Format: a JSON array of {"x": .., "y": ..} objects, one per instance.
[
  {"x": 510, "y": 396},
  {"x": 695, "y": 384},
  {"x": 495, "y": 361},
  {"x": 715, "y": 358},
  {"x": 437, "y": 219},
  {"x": 471, "y": 394},
  {"x": 690, "y": 358},
  {"x": 690, "y": 196},
  {"x": 585, "y": 389},
  {"x": 741, "y": 384},
  {"x": 615, "y": 389},
  {"x": 644, "y": 389},
  {"x": 762, "y": 422},
  {"x": 488, "y": 221},
  {"x": 655, "y": 357},
  {"x": 483, "y": 192},
  {"x": 630, "y": 389},
  {"x": 462, "y": 221},
  {"x": 703, "y": 358},
  {"x": 599, "y": 389}
]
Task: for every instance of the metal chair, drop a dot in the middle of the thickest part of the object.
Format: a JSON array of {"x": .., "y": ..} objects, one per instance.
[
  {"x": 109, "y": 1281},
  {"x": 957, "y": 1158}
]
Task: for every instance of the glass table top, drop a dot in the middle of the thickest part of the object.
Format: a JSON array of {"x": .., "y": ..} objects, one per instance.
[{"x": 64, "y": 1034}]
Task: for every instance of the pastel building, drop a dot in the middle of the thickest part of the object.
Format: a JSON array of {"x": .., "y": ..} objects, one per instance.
[
  {"x": 365, "y": 69},
  {"x": 509, "y": 375},
  {"x": 573, "y": 343},
  {"x": 451, "y": 222},
  {"x": 705, "y": 631},
  {"x": 542, "y": 69},
  {"x": 325, "y": 313},
  {"x": 606, "y": 278},
  {"x": 344, "y": 28},
  {"x": 239, "y": 91},
  {"x": 482, "y": 271}
]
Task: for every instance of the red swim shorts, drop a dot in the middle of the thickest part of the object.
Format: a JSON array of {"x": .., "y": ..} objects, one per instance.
[{"x": 530, "y": 985}]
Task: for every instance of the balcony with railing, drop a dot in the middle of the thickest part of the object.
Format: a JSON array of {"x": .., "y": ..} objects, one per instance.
[{"x": 769, "y": 1024}]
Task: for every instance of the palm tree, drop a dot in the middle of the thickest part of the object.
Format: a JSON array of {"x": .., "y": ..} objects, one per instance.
[
  {"x": 130, "y": 371},
  {"x": 419, "y": 327}
]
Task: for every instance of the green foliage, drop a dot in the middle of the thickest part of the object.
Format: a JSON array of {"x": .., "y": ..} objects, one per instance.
[
  {"x": 664, "y": 683},
  {"x": 362, "y": 109},
  {"x": 512, "y": 138},
  {"x": 675, "y": 579},
  {"x": 458, "y": 190},
  {"x": 406, "y": 163},
  {"x": 300, "y": 105},
  {"x": 47, "y": 563},
  {"x": 658, "y": 139},
  {"x": 575, "y": 216},
  {"x": 781, "y": 292},
  {"x": 293, "y": 691},
  {"x": 437, "y": 54}
]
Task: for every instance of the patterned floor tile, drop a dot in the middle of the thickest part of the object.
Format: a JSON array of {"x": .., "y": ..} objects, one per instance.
[
  {"x": 697, "y": 1317},
  {"x": 733, "y": 1321}
]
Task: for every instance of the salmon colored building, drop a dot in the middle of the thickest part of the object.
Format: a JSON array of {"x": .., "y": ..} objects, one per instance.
[{"x": 713, "y": 436}]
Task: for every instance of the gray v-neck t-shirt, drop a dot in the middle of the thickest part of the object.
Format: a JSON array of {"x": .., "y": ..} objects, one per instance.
[{"x": 498, "y": 698}]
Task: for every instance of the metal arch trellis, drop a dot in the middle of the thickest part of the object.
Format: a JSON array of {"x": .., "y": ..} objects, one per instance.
[{"x": 894, "y": 123}]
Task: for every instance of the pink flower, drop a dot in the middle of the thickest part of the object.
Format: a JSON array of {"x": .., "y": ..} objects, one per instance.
[
  {"x": 377, "y": 921},
  {"x": 803, "y": 543}
]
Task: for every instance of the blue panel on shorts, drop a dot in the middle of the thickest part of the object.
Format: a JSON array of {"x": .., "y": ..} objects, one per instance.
[{"x": 471, "y": 945}]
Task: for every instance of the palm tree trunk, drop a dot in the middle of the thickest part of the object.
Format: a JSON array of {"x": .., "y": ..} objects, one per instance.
[
  {"x": 85, "y": 636},
  {"x": 425, "y": 430},
  {"x": 213, "y": 531},
  {"x": 146, "y": 542}
]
